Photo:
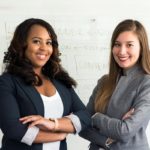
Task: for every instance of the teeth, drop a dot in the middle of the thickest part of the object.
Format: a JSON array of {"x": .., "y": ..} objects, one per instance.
[
  {"x": 123, "y": 58},
  {"x": 41, "y": 56}
]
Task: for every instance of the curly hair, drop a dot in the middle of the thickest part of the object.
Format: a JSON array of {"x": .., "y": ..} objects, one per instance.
[{"x": 18, "y": 64}]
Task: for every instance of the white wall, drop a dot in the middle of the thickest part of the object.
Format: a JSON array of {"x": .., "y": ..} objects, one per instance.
[{"x": 84, "y": 29}]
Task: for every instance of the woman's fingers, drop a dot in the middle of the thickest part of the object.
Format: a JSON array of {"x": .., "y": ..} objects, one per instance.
[
  {"x": 28, "y": 119},
  {"x": 128, "y": 114},
  {"x": 38, "y": 122},
  {"x": 44, "y": 124}
]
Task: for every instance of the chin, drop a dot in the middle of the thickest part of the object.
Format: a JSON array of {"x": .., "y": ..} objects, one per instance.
[
  {"x": 124, "y": 66},
  {"x": 40, "y": 65}
]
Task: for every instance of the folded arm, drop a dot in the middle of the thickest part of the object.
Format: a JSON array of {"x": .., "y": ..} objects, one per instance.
[{"x": 124, "y": 129}]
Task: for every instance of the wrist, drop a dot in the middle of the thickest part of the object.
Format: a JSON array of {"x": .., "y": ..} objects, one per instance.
[
  {"x": 62, "y": 136},
  {"x": 55, "y": 121}
]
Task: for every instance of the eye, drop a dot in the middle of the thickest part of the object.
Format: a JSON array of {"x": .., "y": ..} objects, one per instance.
[
  {"x": 117, "y": 45},
  {"x": 36, "y": 41},
  {"x": 49, "y": 42},
  {"x": 129, "y": 45}
]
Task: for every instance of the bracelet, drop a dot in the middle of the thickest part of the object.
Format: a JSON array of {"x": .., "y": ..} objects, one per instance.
[{"x": 55, "y": 123}]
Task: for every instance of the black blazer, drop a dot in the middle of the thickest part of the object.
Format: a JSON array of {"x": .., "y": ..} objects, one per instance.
[{"x": 17, "y": 99}]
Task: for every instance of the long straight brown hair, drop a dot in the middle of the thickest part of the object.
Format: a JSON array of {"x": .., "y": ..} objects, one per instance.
[{"x": 109, "y": 82}]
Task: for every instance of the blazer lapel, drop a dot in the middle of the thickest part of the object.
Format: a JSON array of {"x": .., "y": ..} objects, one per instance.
[
  {"x": 63, "y": 94},
  {"x": 33, "y": 95}
]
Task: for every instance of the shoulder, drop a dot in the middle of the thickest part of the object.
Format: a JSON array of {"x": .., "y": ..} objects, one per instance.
[
  {"x": 6, "y": 81},
  {"x": 145, "y": 80},
  {"x": 142, "y": 83},
  {"x": 99, "y": 84},
  {"x": 147, "y": 76},
  {"x": 102, "y": 80},
  {"x": 8, "y": 77},
  {"x": 5, "y": 77}
]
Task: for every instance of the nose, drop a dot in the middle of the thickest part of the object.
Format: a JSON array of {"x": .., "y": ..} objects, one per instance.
[
  {"x": 43, "y": 46},
  {"x": 122, "y": 50}
]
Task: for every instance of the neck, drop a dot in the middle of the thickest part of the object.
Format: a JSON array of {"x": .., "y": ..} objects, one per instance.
[{"x": 38, "y": 71}]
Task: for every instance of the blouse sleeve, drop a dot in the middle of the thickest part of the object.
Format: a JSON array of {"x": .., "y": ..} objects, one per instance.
[
  {"x": 79, "y": 110},
  {"x": 75, "y": 121},
  {"x": 30, "y": 135}
]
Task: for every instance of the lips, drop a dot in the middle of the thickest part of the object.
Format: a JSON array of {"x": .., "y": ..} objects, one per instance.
[
  {"x": 123, "y": 58},
  {"x": 41, "y": 56}
]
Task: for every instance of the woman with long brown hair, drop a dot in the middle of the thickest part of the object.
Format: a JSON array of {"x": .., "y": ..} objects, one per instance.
[{"x": 120, "y": 103}]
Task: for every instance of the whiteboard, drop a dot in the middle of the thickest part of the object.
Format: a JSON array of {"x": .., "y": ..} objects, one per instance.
[{"x": 84, "y": 29}]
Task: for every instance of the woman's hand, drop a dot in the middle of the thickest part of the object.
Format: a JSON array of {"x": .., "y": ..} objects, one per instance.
[
  {"x": 63, "y": 135},
  {"x": 128, "y": 114},
  {"x": 39, "y": 121}
]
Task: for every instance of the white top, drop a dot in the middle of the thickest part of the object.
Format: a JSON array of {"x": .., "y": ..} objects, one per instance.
[{"x": 53, "y": 107}]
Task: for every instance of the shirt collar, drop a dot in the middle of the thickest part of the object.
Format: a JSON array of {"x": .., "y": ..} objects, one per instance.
[{"x": 133, "y": 70}]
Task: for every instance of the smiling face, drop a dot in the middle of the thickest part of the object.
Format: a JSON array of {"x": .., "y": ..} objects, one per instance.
[
  {"x": 39, "y": 46},
  {"x": 126, "y": 50}
]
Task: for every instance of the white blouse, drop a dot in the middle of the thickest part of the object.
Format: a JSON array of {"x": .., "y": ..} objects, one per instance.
[{"x": 53, "y": 107}]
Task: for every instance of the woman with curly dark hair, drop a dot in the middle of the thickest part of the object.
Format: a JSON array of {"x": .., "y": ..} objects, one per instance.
[{"x": 34, "y": 88}]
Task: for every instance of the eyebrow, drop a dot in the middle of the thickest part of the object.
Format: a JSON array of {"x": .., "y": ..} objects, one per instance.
[
  {"x": 126, "y": 41},
  {"x": 40, "y": 38}
]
